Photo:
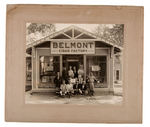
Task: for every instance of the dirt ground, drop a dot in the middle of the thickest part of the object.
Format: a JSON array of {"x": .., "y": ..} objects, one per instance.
[{"x": 45, "y": 98}]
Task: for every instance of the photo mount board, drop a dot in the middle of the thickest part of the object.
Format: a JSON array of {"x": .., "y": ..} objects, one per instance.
[{"x": 131, "y": 109}]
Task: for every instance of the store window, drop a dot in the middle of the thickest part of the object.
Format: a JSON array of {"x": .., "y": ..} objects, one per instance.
[
  {"x": 28, "y": 69},
  {"x": 117, "y": 74},
  {"x": 97, "y": 65},
  {"x": 49, "y": 66}
]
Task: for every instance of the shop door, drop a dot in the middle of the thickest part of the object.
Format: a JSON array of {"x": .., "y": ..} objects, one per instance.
[
  {"x": 73, "y": 64},
  {"x": 73, "y": 61}
]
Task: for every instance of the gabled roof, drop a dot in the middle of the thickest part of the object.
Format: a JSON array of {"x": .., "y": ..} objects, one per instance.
[{"x": 70, "y": 33}]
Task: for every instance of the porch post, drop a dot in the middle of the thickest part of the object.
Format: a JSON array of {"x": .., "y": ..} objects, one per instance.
[
  {"x": 84, "y": 62},
  {"x": 61, "y": 62},
  {"x": 108, "y": 69},
  {"x": 37, "y": 69},
  {"x": 111, "y": 89},
  {"x": 121, "y": 67},
  {"x": 33, "y": 68}
]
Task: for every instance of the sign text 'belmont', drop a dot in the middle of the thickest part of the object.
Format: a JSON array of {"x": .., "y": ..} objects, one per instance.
[{"x": 72, "y": 47}]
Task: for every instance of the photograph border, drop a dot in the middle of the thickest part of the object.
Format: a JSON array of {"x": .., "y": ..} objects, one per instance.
[{"x": 129, "y": 112}]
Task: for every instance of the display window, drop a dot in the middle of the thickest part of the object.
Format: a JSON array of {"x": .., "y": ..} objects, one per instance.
[
  {"x": 28, "y": 69},
  {"x": 117, "y": 74},
  {"x": 97, "y": 65},
  {"x": 49, "y": 66}
]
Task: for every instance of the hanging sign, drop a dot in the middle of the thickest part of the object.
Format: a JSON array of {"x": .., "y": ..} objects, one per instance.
[
  {"x": 73, "y": 47},
  {"x": 96, "y": 68}
]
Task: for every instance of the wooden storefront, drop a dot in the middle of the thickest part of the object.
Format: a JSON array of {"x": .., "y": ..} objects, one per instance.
[{"x": 72, "y": 46}]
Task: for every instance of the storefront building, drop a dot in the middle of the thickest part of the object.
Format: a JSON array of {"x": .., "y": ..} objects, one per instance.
[{"x": 73, "y": 47}]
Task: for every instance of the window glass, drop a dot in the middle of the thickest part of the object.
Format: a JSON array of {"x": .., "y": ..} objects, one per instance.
[
  {"x": 28, "y": 69},
  {"x": 97, "y": 65},
  {"x": 117, "y": 75},
  {"x": 49, "y": 66}
]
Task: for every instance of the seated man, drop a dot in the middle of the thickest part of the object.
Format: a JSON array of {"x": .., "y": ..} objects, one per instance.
[
  {"x": 58, "y": 82},
  {"x": 63, "y": 89},
  {"x": 73, "y": 81},
  {"x": 69, "y": 88},
  {"x": 84, "y": 87},
  {"x": 80, "y": 84}
]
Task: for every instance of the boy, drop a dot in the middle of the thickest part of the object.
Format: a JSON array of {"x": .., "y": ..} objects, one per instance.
[
  {"x": 69, "y": 88},
  {"x": 80, "y": 83},
  {"x": 63, "y": 89}
]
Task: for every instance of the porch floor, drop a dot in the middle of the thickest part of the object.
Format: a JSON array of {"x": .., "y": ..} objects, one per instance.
[{"x": 46, "y": 98}]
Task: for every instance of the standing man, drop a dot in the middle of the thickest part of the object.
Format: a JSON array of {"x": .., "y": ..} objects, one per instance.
[
  {"x": 91, "y": 79},
  {"x": 70, "y": 72},
  {"x": 65, "y": 75},
  {"x": 58, "y": 80}
]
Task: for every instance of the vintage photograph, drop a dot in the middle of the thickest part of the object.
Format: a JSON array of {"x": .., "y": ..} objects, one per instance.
[{"x": 74, "y": 63}]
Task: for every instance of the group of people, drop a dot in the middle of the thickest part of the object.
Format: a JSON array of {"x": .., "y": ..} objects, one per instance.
[{"x": 72, "y": 82}]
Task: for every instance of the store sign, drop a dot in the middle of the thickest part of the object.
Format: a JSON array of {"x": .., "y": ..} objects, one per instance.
[
  {"x": 96, "y": 68},
  {"x": 73, "y": 47}
]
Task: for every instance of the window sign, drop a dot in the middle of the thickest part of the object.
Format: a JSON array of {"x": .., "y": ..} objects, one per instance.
[{"x": 95, "y": 68}]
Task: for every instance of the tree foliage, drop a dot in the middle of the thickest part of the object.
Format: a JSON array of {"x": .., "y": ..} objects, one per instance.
[
  {"x": 111, "y": 33},
  {"x": 37, "y": 31}
]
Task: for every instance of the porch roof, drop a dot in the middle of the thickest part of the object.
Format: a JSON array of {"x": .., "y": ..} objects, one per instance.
[{"x": 71, "y": 33}]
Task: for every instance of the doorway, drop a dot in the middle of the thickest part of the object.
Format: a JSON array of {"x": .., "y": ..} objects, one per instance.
[
  {"x": 73, "y": 61},
  {"x": 73, "y": 64}
]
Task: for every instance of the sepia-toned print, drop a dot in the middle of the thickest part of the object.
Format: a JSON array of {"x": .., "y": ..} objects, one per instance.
[{"x": 74, "y": 63}]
